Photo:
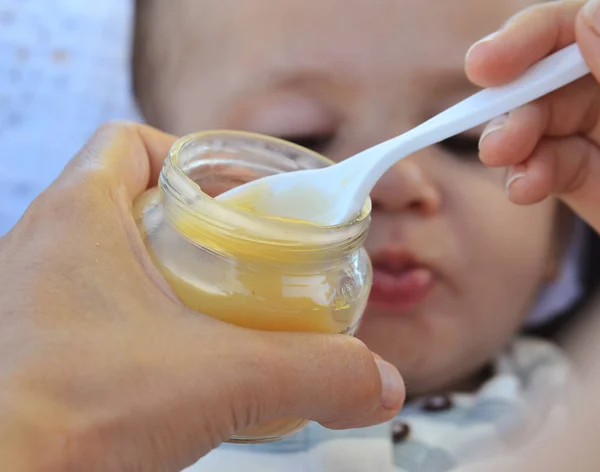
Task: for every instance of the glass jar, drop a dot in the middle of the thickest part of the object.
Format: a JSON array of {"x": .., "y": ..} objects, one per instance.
[{"x": 252, "y": 270}]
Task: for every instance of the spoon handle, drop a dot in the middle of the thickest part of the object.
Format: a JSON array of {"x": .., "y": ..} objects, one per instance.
[{"x": 551, "y": 73}]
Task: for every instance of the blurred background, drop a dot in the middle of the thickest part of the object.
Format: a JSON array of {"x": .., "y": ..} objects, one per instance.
[{"x": 63, "y": 71}]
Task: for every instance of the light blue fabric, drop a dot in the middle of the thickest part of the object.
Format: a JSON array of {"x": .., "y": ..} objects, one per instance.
[{"x": 64, "y": 69}]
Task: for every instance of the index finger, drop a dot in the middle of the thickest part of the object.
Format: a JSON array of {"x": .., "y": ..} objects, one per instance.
[
  {"x": 526, "y": 39},
  {"x": 126, "y": 155}
]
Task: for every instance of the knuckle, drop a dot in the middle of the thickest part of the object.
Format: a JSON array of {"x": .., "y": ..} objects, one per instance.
[
  {"x": 536, "y": 12},
  {"x": 576, "y": 176},
  {"x": 87, "y": 186},
  {"x": 81, "y": 196},
  {"x": 541, "y": 9},
  {"x": 78, "y": 211},
  {"x": 118, "y": 126},
  {"x": 116, "y": 131}
]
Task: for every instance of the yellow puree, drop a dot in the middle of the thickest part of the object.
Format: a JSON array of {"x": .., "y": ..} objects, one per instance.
[{"x": 260, "y": 289}]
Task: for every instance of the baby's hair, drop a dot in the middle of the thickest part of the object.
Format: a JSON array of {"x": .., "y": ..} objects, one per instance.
[
  {"x": 561, "y": 327},
  {"x": 165, "y": 34},
  {"x": 143, "y": 65},
  {"x": 154, "y": 32}
]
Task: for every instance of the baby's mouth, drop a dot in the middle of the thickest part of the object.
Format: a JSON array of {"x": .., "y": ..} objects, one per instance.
[{"x": 400, "y": 281}]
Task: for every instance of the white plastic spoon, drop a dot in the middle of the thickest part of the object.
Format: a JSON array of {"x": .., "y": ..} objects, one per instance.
[{"x": 336, "y": 194}]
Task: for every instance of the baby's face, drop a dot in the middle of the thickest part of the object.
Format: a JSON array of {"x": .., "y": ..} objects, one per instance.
[{"x": 457, "y": 267}]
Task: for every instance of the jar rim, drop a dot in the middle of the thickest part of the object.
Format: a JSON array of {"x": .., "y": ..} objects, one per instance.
[{"x": 202, "y": 209}]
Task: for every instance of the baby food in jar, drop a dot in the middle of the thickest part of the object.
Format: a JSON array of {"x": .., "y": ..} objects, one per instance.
[{"x": 252, "y": 270}]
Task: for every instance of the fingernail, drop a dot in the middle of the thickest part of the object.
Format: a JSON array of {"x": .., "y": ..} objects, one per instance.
[
  {"x": 591, "y": 13},
  {"x": 392, "y": 386},
  {"x": 514, "y": 173},
  {"x": 485, "y": 39},
  {"x": 495, "y": 125}
]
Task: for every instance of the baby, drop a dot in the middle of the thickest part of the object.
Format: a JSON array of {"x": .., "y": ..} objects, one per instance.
[{"x": 459, "y": 271}]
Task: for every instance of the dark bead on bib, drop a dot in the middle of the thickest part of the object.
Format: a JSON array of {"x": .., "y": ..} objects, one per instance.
[
  {"x": 437, "y": 403},
  {"x": 400, "y": 432}
]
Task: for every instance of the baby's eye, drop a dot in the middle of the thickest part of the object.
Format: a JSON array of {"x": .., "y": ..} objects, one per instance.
[
  {"x": 461, "y": 146},
  {"x": 317, "y": 142}
]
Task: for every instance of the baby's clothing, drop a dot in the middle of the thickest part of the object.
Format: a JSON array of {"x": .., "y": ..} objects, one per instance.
[{"x": 529, "y": 387}]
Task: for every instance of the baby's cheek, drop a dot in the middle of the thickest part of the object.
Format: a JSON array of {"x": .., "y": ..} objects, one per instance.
[{"x": 447, "y": 337}]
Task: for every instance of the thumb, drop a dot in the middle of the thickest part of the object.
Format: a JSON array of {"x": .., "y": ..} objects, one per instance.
[
  {"x": 587, "y": 30},
  {"x": 332, "y": 379}
]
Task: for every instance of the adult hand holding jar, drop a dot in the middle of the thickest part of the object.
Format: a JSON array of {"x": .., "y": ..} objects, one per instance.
[{"x": 103, "y": 368}]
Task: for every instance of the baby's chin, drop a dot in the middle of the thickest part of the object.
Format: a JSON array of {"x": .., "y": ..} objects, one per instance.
[{"x": 428, "y": 352}]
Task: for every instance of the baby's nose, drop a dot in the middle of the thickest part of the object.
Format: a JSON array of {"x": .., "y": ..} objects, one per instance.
[{"x": 406, "y": 187}]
